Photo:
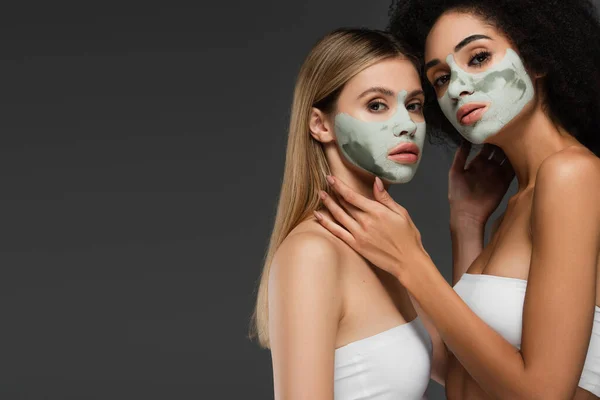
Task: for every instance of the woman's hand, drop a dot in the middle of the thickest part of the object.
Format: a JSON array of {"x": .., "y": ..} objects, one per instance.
[
  {"x": 381, "y": 230},
  {"x": 476, "y": 191}
]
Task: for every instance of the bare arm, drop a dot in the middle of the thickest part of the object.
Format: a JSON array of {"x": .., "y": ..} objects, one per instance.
[
  {"x": 305, "y": 306},
  {"x": 559, "y": 304},
  {"x": 474, "y": 192},
  {"x": 467, "y": 244}
]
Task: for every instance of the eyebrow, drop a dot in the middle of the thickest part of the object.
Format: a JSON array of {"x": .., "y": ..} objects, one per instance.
[
  {"x": 468, "y": 40},
  {"x": 388, "y": 92},
  {"x": 376, "y": 89},
  {"x": 458, "y": 47},
  {"x": 431, "y": 64}
]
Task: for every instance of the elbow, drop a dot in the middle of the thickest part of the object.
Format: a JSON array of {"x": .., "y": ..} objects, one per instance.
[
  {"x": 533, "y": 390},
  {"x": 541, "y": 396},
  {"x": 538, "y": 386},
  {"x": 547, "y": 393},
  {"x": 547, "y": 385}
]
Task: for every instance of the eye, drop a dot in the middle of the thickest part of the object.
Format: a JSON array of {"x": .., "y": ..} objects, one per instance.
[
  {"x": 441, "y": 81},
  {"x": 480, "y": 58},
  {"x": 377, "y": 106},
  {"x": 415, "y": 107}
]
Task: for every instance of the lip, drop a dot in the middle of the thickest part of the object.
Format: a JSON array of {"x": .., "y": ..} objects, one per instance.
[
  {"x": 406, "y": 153},
  {"x": 471, "y": 113}
]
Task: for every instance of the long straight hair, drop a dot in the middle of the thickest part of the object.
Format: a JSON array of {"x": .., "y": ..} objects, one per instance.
[{"x": 332, "y": 62}]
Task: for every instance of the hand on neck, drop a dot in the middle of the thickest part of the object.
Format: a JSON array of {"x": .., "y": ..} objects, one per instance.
[{"x": 361, "y": 182}]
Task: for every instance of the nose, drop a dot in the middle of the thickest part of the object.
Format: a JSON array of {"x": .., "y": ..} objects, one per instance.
[
  {"x": 458, "y": 86},
  {"x": 407, "y": 129},
  {"x": 411, "y": 134}
]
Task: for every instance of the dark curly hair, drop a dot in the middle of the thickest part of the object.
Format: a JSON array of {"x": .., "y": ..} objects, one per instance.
[{"x": 556, "y": 38}]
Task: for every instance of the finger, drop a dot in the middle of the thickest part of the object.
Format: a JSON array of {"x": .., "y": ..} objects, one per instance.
[
  {"x": 502, "y": 159},
  {"x": 507, "y": 165},
  {"x": 461, "y": 155},
  {"x": 357, "y": 214},
  {"x": 383, "y": 196},
  {"x": 335, "y": 229},
  {"x": 349, "y": 195},
  {"x": 498, "y": 156},
  {"x": 354, "y": 212},
  {"x": 507, "y": 168},
  {"x": 339, "y": 213},
  {"x": 486, "y": 152}
]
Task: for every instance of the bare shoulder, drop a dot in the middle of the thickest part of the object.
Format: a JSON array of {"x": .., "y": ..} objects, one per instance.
[
  {"x": 567, "y": 188},
  {"x": 572, "y": 171},
  {"x": 307, "y": 253}
]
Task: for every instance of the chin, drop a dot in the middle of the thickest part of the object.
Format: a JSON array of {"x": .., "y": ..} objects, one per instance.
[
  {"x": 481, "y": 133},
  {"x": 397, "y": 182},
  {"x": 474, "y": 139},
  {"x": 398, "y": 178}
]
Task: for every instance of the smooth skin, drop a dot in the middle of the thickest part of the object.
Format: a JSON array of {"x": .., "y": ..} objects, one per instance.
[
  {"x": 549, "y": 235},
  {"x": 322, "y": 294}
]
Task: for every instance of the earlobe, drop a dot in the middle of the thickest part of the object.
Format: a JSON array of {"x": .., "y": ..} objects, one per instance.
[{"x": 320, "y": 128}]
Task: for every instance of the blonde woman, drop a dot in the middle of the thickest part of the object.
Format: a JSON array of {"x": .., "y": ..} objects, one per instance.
[{"x": 337, "y": 327}]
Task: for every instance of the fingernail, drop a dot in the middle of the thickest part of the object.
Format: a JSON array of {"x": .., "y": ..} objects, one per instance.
[
  {"x": 330, "y": 179},
  {"x": 322, "y": 195},
  {"x": 318, "y": 215},
  {"x": 379, "y": 184}
]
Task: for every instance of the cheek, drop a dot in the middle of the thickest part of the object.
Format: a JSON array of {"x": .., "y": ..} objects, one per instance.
[
  {"x": 362, "y": 137},
  {"x": 492, "y": 83},
  {"x": 440, "y": 93},
  {"x": 350, "y": 132},
  {"x": 446, "y": 105}
]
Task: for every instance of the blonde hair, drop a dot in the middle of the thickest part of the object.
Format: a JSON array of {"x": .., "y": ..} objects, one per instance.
[{"x": 332, "y": 62}]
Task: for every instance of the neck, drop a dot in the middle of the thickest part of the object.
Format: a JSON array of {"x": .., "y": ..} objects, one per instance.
[{"x": 530, "y": 142}]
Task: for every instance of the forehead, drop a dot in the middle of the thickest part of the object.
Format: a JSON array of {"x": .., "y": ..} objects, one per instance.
[
  {"x": 450, "y": 29},
  {"x": 393, "y": 73}
]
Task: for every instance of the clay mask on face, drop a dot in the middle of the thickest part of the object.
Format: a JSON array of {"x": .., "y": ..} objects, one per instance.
[
  {"x": 367, "y": 144},
  {"x": 506, "y": 87}
]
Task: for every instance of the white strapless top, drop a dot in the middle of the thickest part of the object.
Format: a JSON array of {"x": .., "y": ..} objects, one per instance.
[
  {"x": 499, "y": 301},
  {"x": 391, "y": 365}
]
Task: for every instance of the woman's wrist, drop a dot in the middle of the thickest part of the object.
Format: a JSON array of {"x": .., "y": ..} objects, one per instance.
[
  {"x": 409, "y": 269},
  {"x": 464, "y": 221},
  {"x": 465, "y": 231},
  {"x": 420, "y": 273}
]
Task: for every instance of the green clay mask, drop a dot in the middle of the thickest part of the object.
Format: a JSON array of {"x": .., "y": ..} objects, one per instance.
[
  {"x": 506, "y": 87},
  {"x": 367, "y": 144}
]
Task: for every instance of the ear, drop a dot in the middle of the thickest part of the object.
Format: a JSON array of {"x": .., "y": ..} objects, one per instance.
[{"x": 320, "y": 127}]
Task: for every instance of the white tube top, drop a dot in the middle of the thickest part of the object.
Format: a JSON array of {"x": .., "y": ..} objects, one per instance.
[
  {"x": 498, "y": 301},
  {"x": 391, "y": 365}
]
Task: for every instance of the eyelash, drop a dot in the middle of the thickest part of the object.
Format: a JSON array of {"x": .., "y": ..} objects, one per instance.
[
  {"x": 481, "y": 54},
  {"x": 369, "y": 106},
  {"x": 415, "y": 104},
  {"x": 436, "y": 83},
  {"x": 420, "y": 106}
]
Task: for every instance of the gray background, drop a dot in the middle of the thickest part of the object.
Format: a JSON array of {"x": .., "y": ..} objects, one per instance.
[{"x": 141, "y": 155}]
